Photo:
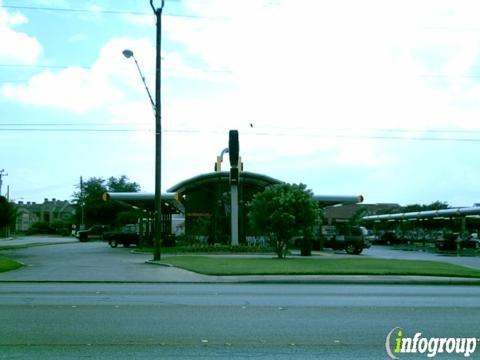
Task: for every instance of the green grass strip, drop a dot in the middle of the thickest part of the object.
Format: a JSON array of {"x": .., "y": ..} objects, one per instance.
[
  {"x": 223, "y": 265},
  {"x": 7, "y": 264}
]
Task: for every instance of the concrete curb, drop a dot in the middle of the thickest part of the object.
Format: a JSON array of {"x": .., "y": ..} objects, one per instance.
[
  {"x": 328, "y": 279},
  {"x": 281, "y": 279},
  {"x": 355, "y": 280}
]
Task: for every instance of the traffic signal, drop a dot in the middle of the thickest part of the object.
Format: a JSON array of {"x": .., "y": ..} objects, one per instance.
[{"x": 233, "y": 147}]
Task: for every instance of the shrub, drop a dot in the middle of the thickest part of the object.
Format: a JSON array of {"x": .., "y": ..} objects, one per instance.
[
  {"x": 281, "y": 212},
  {"x": 40, "y": 227}
]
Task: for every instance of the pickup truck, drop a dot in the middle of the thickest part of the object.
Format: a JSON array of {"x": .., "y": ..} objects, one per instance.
[
  {"x": 96, "y": 231},
  {"x": 126, "y": 236}
]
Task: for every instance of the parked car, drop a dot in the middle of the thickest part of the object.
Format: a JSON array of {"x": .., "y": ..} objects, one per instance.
[
  {"x": 371, "y": 237},
  {"x": 126, "y": 236},
  {"x": 352, "y": 241},
  {"x": 453, "y": 241},
  {"x": 96, "y": 231},
  {"x": 390, "y": 238}
]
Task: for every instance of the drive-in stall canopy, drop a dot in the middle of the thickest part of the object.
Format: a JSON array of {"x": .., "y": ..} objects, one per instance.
[{"x": 205, "y": 202}]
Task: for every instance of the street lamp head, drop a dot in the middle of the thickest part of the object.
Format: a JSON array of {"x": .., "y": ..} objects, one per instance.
[{"x": 127, "y": 53}]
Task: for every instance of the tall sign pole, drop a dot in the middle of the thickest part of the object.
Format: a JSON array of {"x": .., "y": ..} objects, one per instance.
[
  {"x": 233, "y": 151},
  {"x": 82, "y": 205},
  {"x": 158, "y": 135}
]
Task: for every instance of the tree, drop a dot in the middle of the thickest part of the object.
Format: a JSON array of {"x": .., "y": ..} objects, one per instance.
[
  {"x": 122, "y": 184},
  {"x": 8, "y": 215},
  {"x": 96, "y": 210},
  {"x": 281, "y": 212},
  {"x": 437, "y": 205}
]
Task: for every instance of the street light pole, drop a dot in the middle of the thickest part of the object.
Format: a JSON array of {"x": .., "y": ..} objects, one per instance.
[
  {"x": 157, "y": 107},
  {"x": 129, "y": 54},
  {"x": 158, "y": 136}
]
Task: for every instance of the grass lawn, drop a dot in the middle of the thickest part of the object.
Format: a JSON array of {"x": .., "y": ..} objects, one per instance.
[
  {"x": 7, "y": 264},
  {"x": 221, "y": 265}
]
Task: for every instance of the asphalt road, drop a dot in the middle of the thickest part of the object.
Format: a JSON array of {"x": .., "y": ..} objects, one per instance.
[
  {"x": 90, "y": 261},
  {"x": 237, "y": 321},
  {"x": 110, "y": 319}
]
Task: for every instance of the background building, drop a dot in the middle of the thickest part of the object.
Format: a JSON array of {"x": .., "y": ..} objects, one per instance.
[
  {"x": 342, "y": 213},
  {"x": 49, "y": 211}
]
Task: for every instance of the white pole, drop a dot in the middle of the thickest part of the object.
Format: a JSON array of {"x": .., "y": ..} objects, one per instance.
[{"x": 234, "y": 213}]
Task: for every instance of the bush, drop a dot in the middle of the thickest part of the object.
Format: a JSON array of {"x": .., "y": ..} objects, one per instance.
[
  {"x": 191, "y": 240},
  {"x": 215, "y": 249},
  {"x": 40, "y": 227},
  {"x": 57, "y": 227},
  {"x": 222, "y": 249},
  {"x": 60, "y": 227}
]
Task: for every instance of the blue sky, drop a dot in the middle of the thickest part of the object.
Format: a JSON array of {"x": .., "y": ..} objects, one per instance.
[{"x": 379, "y": 98}]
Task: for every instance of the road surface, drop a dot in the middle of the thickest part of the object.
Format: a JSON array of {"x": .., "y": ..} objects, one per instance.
[{"x": 236, "y": 321}]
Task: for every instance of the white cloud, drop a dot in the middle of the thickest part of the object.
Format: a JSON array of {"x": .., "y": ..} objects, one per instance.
[
  {"x": 17, "y": 47},
  {"x": 317, "y": 80},
  {"x": 73, "y": 89},
  {"x": 81, "y": 90},
  {"x": 337, "y": 65},
  {"x": 301, "y": 68},
  {"x": 295, "y": 68}
]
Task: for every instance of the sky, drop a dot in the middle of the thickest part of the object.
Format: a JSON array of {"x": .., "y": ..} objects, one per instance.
[{"x": 378, "y": 98}]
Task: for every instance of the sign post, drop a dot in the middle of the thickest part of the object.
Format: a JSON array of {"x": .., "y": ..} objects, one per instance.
[{"x": 233, "y": 151}]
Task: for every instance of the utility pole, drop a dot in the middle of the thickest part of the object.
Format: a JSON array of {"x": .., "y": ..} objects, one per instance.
[
  {"x": 2, "y": 174},
  {"x": 82, "y": 205},
  {"x": 158, "y": 135}
]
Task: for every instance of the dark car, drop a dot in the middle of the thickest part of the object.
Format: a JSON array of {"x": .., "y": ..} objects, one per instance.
[
  {"x": 352, "y": 240},
  {"x": 96, "y": 231},
  {"x": 452, "y": 242},
  {"x": 390, "y": 238},
  {"x": 126, "y": 236}
]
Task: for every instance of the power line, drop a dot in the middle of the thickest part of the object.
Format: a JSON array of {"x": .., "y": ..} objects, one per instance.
[
  {"x": 106, "y": 11},
  {"x": 133, "y": 12},
  {"x": 370, "y": 137},
  {"x": 73, "y": 130},
  {"x": 309, "y": 129},
  {"x": 13, "y": 81},
  {"x": 56, "y": 124},
  {"x": 183, "y": 131},
  {"x": 43, "y": 66},
  {"x": 33, "y": 66},
  {"x": 45, "y": 8}
]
